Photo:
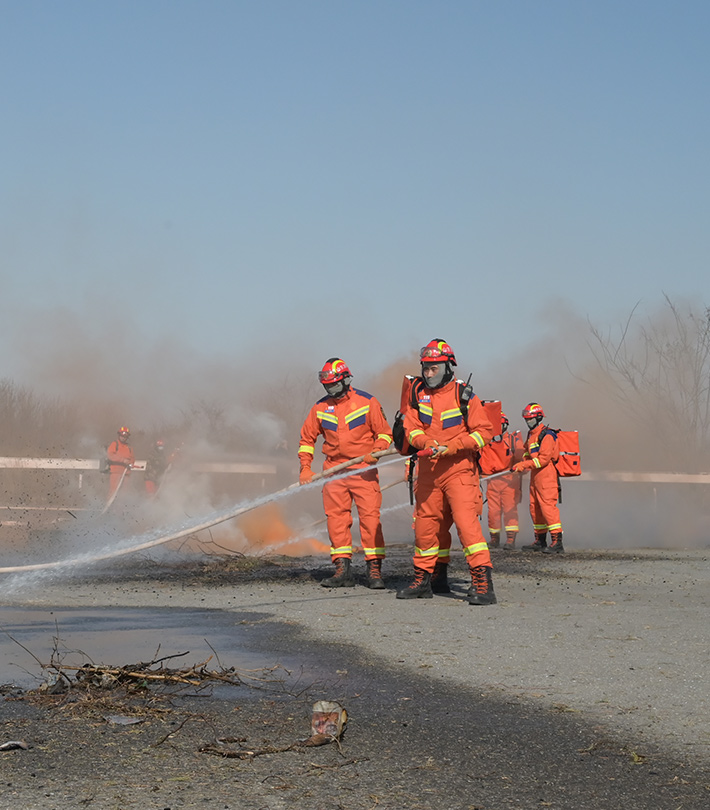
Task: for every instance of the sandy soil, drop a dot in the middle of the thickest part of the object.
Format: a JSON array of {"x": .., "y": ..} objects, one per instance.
[{"x": 586, "y": 686}]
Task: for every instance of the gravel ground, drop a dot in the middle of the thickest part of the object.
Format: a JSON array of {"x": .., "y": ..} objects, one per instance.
[{"x": 585, "y": 686}]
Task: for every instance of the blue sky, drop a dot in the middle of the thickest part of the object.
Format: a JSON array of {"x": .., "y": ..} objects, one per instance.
[{"x": 317, "y": 178}]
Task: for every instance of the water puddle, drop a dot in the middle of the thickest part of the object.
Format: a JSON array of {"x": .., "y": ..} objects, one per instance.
[{"x": 120, "y": 637}]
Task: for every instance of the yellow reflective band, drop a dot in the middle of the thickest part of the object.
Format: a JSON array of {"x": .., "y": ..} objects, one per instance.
[
  {"x": 430, "y": 552},
  {"x": 476, "y": 436},
  {"x": 539, "y": 526},
  {"x": 444, "y": 554},
  {"x": 307, "y": 448},
  {"x": 426, "y": 409},
  {"x": 378, "y": 551},
  {"x": 385, "y": 437},
  {"x": 469, "y": 550},
  {"x": 526, "y": 454},
  {"x": 415, "y": 432},
  {"x": 341, "y": 550},
  {"x": 450, "y": 413},
  {"x": 495, "y": 531},
  {"x": 555, "y": 527},
  {"x": 327, "y": 417},
  {"x": 534, "y": 446},
  {"x": 356, "y": 414},
  {"x": 512, "y": 528},
  {"x": 536, "y": 462}
]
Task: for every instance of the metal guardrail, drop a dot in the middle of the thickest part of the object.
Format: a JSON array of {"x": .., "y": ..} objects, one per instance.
[
  {"x": 21, "y": 463},
  {"x": 250, "y": 468}
]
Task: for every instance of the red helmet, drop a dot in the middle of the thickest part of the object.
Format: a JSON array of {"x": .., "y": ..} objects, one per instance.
[
  {"x": 532, "y": 409},
  {"x": 335, "y": 370},
  {"x": 504, "y": 419},
  {"x": 160, "y": 443},
  {"x": 436, "y": 351},
  {"x": 124, "y": 431}
]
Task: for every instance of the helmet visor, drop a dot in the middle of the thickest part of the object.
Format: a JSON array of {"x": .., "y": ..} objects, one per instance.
[
  {"x": 432, "y": 354},
  {"x": 328, "y": 377}
]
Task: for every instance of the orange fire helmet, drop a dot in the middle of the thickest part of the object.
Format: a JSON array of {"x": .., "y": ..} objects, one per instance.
[
  {"x": 532, "y": 410},
  {"x": 124, "y": 431},
  {"x": 437, "y": 351},
  {"x": 335, "y": 370}
]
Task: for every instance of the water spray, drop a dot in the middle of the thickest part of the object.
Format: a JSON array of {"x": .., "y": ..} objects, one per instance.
[{"x": 336, "y": 472}]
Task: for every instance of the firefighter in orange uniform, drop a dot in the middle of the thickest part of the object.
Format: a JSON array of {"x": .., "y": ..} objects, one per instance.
[
  {"x": 120, "y": 459},
  {"x": 541, "y": 453},
  {"x": 155, "y": 468},
  {"x": 450, "y": 425},
  {"x": 352, "y": 423},
  {"x": 505, "y": 492}
]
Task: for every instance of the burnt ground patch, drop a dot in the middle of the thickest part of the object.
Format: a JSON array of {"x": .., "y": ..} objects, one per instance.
[{"x": 411, "y": 742}]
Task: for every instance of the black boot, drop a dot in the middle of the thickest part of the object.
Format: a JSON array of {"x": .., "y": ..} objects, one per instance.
[
  {"x": 342, "y": 577},
  {"x": 481, "y": 591},
  {"x": 510, "y": 542},
  {"x": 374, "y": 575},
  {"x": 494, "y": 542},
  {"x": 539, "y": 544},
  {"x": 420, "y": 587},
  {"x": 440, "y": 578},
  {"x": 555, "y": 546}
]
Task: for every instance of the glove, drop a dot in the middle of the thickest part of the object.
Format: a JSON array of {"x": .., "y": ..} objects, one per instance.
[
  {"x": 453, "y": 447},
  {"x": 518, "y": 467},
  {"x": 306, "y": 476},
  {"x": 431, "y": 444},
  {"x": 370, "y": 459}
]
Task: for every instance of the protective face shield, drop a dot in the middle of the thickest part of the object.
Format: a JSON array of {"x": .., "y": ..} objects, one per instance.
[
  {"x": 123, "y": 434},
  {"x": 434, "y": 374},
  {"x": 534, "y": 422}
]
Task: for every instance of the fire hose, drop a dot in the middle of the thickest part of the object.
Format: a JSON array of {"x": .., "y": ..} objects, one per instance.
[
  {"x": 110, "y": 501},
  {"x": 327, "y": 474}
]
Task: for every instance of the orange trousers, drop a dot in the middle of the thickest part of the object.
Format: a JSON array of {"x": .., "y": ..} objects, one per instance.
[
  {"x": 452, "y": 489},
  {"x": 338, "y": 498},
  {"x": 443, "y": 534},
  {"x": 503, "y": 499},
  {"x": 544, "y": 511},
  {"x": 114, "y": 479}
]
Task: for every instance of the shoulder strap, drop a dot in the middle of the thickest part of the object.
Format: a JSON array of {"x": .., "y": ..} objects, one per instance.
[{"x": 416, "y": 388}]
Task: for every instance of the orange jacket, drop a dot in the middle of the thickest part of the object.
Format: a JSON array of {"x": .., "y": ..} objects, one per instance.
[
  {"x": 352, "y": 425},
  {"x": 438, "y": 419},
  {"x": 120, "y": 455},
  {"x": 540, "y": 455}
]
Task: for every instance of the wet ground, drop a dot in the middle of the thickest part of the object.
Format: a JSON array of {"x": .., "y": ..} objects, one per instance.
[{"x": 553, "y": 698}]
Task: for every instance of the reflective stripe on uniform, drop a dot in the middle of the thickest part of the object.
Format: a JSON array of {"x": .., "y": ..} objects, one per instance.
[
  {"x": 360, "y": 412},
  {"x": 307, "y": 448},
  {"x": 427, "y": 552},
  {"x": 341, "y": 550},
  {"x": 476, "y": 436},
  {"x": 475, "y": 548}
]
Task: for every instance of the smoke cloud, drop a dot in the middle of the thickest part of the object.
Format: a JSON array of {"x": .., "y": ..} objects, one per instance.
[{"x": 75, "y": 380}]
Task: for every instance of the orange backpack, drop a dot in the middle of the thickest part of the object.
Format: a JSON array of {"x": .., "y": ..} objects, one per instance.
[{"x": 569, "y": 463}]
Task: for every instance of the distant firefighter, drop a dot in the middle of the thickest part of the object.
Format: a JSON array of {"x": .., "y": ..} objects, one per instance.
[
  {"x": 155, "y": 468},
  {"x": 120, "y": 459},
  {"x": 541, "y": 453},
  {"x": 505, "y": 492},
  {"x": 352, "y": 424}
]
